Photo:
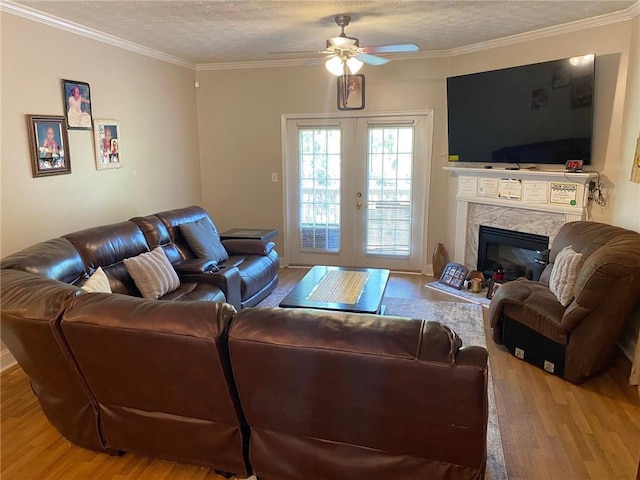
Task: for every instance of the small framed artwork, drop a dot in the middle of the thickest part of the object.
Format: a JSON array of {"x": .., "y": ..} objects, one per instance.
[
  {"x": 49, "y": 145},
  {"x": 108, "y": 144},
  {"x": 494, "y": 285},
  {"x": 454, "y": 275},
  {"x": 77, "y": 104},
  {"x": 351, "y": 92}
]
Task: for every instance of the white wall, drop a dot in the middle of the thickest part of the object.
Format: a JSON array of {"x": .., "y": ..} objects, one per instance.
[
  {"x": 155, "y": 104},
  {"x": 153, "y": 101},
  {"x": 239, "y": 114}
]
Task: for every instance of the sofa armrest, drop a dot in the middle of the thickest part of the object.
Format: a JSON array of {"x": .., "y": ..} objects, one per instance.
[
  {"x": 243, "y": 246},
  {"x": 226, "y": 279},
  {"x": 473, "y": 355},
  {"x": 195, "y": 265}
]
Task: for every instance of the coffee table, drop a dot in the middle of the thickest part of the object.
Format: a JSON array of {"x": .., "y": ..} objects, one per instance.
[{"x": 369, "y": 299}]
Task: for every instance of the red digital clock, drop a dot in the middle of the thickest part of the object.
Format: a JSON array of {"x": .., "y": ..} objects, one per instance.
[{"x": 574, "y": 165}]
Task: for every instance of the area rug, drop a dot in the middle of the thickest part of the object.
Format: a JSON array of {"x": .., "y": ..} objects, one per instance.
[
  {"x": 464, "y": 293},
  {"x": 463, "y": 318}
]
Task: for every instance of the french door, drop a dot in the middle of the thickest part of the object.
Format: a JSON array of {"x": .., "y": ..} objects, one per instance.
[{"x": 355, "y": 191}]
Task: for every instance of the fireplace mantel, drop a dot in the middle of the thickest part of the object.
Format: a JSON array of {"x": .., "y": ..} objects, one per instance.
[{"x": 528, "y": 194}]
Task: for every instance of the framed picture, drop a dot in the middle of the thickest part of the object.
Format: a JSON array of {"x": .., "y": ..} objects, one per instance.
[
  {"x": 493, "y": 288},
  {"x": 49, "y": 145},
  {"x": 77, "y": 104},
  {"x": 454, "y": 275},
  {"x": 351, "y": 92},
  {"x": 108, "y": 144}
]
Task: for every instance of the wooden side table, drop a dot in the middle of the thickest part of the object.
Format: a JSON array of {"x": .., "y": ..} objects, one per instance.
[{"x": 249, "y": 233}]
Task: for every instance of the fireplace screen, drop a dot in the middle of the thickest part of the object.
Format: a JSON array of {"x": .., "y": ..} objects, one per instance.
[{"x": 517, "y": 253}]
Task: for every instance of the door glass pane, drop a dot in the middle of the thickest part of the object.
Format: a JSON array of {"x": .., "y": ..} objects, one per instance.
[
  {"x": 319, "y": 195},
  {"x": 389, "y": 170}
]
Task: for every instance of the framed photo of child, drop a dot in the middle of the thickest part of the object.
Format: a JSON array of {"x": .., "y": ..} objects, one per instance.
[
  {"x": 77, "y": 104},
  {"x": 108, "y": 144},
  {"x": 49, "y": 145}
]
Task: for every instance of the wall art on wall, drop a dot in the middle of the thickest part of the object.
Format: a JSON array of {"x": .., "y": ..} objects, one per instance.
[
  {"x": 49, "y": 145},
  {"x": 108, "y": 144},
  {"x": 635, "y": 168},
  {"x": 351, "y": 92},
  {"x": 77, "y": 104}
]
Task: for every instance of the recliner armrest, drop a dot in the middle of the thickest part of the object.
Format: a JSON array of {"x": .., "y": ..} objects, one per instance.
[
  {"x": 237, "y": 246},
  {"x": 195, "y": 265},
  {"x": 226, "y": 279}
]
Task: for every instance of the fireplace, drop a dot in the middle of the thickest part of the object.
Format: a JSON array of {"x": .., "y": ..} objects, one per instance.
[{"x": 517, "y": 253}]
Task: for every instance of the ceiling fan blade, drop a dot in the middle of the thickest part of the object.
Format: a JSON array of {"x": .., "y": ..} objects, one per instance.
[
  {"x": 407, "y": 47},
  {"x": 371, "y": 59}
]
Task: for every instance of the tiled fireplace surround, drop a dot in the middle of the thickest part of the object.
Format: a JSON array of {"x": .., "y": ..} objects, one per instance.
[{"x": 537, "y": 217}]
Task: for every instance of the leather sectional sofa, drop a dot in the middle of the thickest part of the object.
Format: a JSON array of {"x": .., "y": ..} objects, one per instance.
[
  {"x": 245, "y": 278},
  {"x": 283, "y": 393}
]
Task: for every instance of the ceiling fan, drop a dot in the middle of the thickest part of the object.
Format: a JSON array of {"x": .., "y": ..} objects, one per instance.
[
  {"x": 346, "y": 56},
  {"x": 346, "y": 52}
]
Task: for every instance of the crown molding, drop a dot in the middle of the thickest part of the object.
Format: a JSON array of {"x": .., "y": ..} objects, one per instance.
[
  {"x": 62, "y": 24},
  {"x": 35, "y": 15},
  {"x": 540, "y": 34}
]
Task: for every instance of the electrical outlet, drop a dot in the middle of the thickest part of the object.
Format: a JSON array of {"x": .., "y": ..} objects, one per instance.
[
  {"x": 520, "y": 353},
  {"x": 549, "y": 366}
]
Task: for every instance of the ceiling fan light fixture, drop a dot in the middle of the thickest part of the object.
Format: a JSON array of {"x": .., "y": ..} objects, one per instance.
[
  {"x": 354, "y": 65},
  {"x": 342, "y": 43},
  {"x": 335, "y": 66}
]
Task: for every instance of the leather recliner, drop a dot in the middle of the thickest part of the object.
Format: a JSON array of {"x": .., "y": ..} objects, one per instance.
[
  {"x": 576, "y": 341},
  {"x": 246, "y": 277}
]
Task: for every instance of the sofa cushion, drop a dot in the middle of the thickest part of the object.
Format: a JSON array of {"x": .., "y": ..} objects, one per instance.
[
  {"x": 564, "y": 274},
  {"x": 152, "y": 273},
  {"x": 97, "y": 282},
  {"x": 204, "y": 240}
]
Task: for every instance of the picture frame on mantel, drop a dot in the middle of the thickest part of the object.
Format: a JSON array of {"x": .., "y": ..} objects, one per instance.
[
  {"x": 108, "y": 143},
  {"x": 351, "y": 92},
  {"x": 49, "y": 145}
]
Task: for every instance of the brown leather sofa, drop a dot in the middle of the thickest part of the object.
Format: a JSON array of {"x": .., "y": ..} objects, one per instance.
[
  {"x": 576, "y": 341},
  {"x": 349, "y": 396},
  {"x": 244, "y": 279},
  {"x": 120, "y": 373},
  {"x": 287, "y": 394}
]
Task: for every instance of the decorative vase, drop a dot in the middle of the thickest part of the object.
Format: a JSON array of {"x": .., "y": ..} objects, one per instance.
[{"x": 440, "y": 259}]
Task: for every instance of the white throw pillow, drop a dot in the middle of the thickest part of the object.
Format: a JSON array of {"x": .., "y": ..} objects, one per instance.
[
  {"x": 152, "y": 273},
  {"x": 97, "y": 282},
  {"x": 564, "y": 274}
]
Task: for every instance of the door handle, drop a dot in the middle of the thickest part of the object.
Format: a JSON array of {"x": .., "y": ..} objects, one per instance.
[{"x": 359, "y": 205}]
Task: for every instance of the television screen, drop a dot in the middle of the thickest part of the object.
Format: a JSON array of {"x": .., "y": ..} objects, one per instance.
[{"x": 530, "y": 114}]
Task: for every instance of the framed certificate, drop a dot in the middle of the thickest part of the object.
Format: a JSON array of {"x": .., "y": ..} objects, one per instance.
[{"x": 563, "y": 193}]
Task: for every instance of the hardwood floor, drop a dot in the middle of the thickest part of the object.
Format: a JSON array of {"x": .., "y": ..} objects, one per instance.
[{"x": 550, "y": 428}]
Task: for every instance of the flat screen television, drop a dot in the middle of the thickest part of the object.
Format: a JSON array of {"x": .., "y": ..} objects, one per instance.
[{"x": 531, "y": 114}]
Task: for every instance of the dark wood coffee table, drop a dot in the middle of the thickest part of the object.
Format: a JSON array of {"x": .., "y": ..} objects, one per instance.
[{"x": 370, "y": 300}]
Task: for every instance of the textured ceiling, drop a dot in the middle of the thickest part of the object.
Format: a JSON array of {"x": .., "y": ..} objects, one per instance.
[{"x": 223, "y": 31}]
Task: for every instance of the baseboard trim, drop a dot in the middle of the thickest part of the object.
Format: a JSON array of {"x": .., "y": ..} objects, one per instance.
[{"x": 6, "y": 360}]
